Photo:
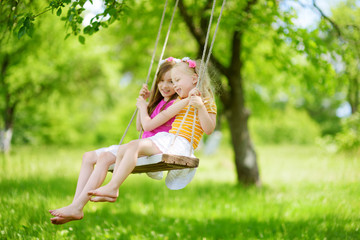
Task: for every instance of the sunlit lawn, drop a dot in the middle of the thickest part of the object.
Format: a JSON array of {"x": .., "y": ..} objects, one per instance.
[{"x": 307, "y": 193}]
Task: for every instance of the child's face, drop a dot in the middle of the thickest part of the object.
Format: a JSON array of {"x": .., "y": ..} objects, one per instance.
[
  {"x": 183, "y": 81},
  {"x": 166, "y": 87}
]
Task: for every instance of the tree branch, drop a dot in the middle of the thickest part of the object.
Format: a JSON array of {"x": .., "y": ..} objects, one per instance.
[
  {"x": 236, "y": 39},
  {"x": 198, "y": 34},
  {"x": 189, "y": 21},
  {"x": 204, "y": 21},
  {"x": 335, "y": 26}
]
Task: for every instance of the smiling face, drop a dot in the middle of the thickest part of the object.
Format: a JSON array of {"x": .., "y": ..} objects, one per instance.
[
  {"x": 184, "y": 79},
  {"x": 166, "y": 87}
]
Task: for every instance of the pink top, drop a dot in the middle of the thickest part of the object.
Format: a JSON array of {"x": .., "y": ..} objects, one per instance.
[{"x": 163, "y": 128}]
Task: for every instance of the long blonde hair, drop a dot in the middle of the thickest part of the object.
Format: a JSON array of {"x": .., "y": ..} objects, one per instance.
[{"x": 204, "y": 85}]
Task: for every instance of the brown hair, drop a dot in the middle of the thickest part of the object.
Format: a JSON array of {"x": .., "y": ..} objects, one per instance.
[{"x": 155, "y": 95}]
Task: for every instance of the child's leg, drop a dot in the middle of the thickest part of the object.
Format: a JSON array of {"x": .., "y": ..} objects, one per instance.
[
  {"x": 74, "y": 211},
  {"x": 87, "y": 166},
  {"x": 142, "y": 147},
  {"x": 119, "y": 156}
]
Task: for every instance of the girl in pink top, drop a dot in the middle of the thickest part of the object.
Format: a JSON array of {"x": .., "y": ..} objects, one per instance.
[
  {"x": 166, "y": 126},
  {"x": 161, "y": 97}
]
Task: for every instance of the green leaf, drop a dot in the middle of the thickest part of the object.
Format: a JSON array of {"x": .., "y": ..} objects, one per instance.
[
  {"x": 59, "y": 12},
  {"x": 81, "y": 39},
  {"x": 21, "y": 32},
  {"x": 30, "y": 30}
]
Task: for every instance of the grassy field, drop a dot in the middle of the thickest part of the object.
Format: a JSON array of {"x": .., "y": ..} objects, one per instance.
[{"x": 307, "y": 193}]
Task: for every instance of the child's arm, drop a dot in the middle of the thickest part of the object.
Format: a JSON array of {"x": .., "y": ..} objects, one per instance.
[
  {"x": 207, "y": 120},
  {"x": 145, "y": 93},
  {"x": 149, "y": 124},
  {"x": 138, "y": 122}
]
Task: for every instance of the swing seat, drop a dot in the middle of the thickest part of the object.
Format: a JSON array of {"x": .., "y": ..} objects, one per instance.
[{"x": 162, "y": 162}]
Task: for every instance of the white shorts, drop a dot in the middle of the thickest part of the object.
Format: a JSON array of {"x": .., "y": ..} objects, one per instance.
[
  {"x": 181, "y": 146},
  {"x": 112, "y": 149}
]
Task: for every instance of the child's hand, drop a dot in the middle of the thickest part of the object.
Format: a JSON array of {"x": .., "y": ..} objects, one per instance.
[
  {"x": 144, "y": 92},
  {"x": 141, "y": 103},
  {"x": 194, "y": 92},
  {"x": 196, "y": 101}
]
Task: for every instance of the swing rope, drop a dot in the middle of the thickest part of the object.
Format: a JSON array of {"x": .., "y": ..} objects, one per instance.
[
  {"x": 152, "y": 59},
  {"x": 202, "y": 71},
  {"x": 162, "y": 54}
]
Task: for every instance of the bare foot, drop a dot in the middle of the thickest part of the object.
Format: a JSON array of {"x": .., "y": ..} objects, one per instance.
[
  {"x": 61, "y": 220},
  {"x": 70, "y": 212},
  {"x": 103, "y": 199},
  {"x": 105, "y": 191}
]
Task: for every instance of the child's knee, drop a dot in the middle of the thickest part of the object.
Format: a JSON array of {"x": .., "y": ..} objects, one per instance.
[
  {"x": 106, "y": 158},
  {"x": 133, "y": 145},
  {"x": 121, "y": 149},
  {"x": 90, "y": 158}
]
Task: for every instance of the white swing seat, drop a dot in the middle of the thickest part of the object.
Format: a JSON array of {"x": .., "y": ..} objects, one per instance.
[{"x": 162, "y": 162}]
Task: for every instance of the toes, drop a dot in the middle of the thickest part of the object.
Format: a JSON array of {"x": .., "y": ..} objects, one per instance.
[
  {"x": 94, "y": 199},
  {"x": 54, "y": 220},
  {"x": 59, "y": 220},
  {"x": 91, "y": 192},
  {"x": 97, "y": 199},
  {"x": 103, "y": 199},
  {"x": 56, "y": 214}
]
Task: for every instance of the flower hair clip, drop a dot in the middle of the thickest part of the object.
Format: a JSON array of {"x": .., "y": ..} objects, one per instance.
[
  {"x": 192, "y": 64},
  {"x": 170, "y": 59}
]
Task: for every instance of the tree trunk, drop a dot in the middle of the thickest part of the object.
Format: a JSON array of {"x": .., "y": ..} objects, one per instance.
[
  {"x": 245, "y": 155},
  {"x": 237, "y": 116},
  {"x": 353, "y": 94},
  {"x": 9, "y": 109},
  {"x": 5, "y": 139},
  {"x": 7, "y": 132}
]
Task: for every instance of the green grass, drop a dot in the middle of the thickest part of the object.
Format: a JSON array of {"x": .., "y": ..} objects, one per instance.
[{"x": 307, "y": 193}]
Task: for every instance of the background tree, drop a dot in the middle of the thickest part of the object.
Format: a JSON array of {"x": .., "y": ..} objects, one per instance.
[
  {"x": 33, "y": 68},
  {"x": 346, "y": 16}
]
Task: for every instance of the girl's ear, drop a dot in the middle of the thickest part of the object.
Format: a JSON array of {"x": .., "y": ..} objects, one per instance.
[{"x": 195, "y": 78}]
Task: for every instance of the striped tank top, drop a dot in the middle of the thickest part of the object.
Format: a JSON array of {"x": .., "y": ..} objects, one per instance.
[{"x": 186, "y": 129}]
